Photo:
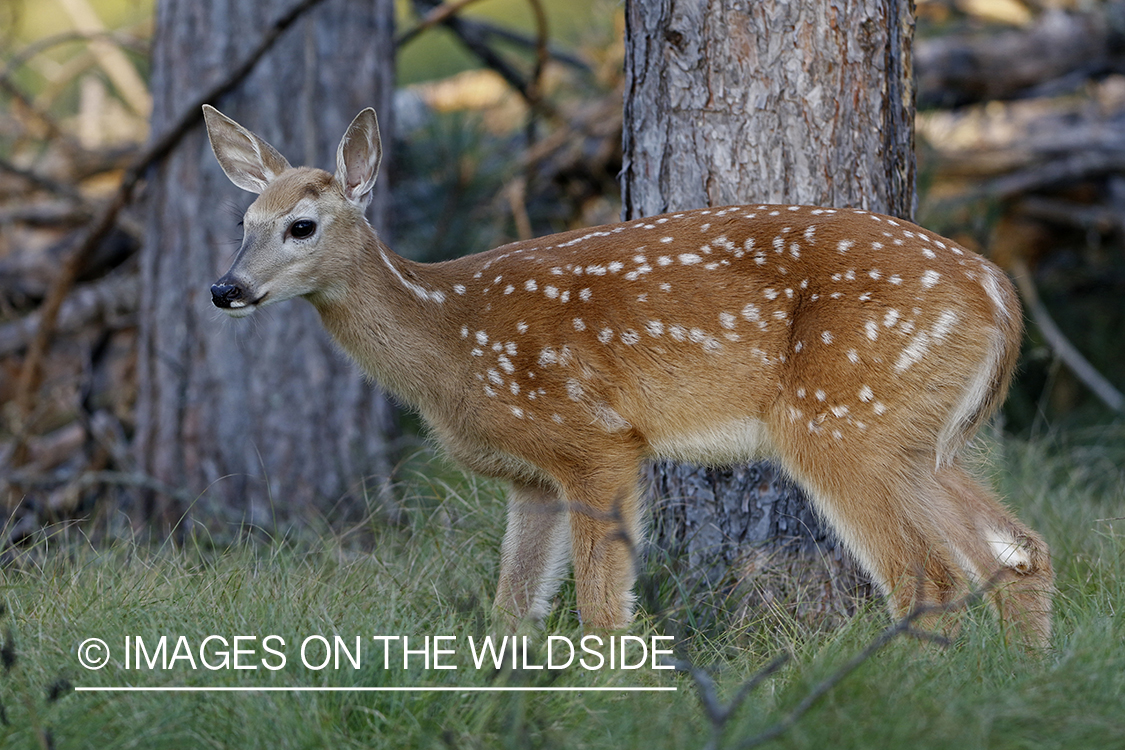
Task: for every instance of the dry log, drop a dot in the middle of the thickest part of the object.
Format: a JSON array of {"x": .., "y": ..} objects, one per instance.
[
  {"x": 57, "y": 213},
  {"x": 26, "y": 276},
  {"x": 112, "y": 302},
  {"x": 1102, "y": 219},
  {"x": 1004, "y": 151},
  {"x": 1056, "y": 53}
]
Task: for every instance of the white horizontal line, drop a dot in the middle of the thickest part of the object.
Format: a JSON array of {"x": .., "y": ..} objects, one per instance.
[{"x": 443, "y": 689}]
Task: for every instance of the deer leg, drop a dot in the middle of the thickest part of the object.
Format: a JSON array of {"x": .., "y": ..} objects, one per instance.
[
  {"x": 906, "y": 559},
  {"x": 996, "y": 547},
  {"x": 869, "y": 495},
  {"x": 605, "y": 535},
  {"x": 533, "y": 555}
]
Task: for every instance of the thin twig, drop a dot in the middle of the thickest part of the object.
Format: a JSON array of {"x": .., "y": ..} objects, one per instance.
[
  {"x": 41, "y": 45},
  {"x": 472, "y": 36},
  {"x": 719, "y": 715},
  {"x": 534, "y": 85},
  {"x": 88, "y": 241},
  {"x": 905, "y": 626},
  {"x": 522, "y": 40},
  {"x": 54, "y": 132},
  {"x": 1060, "y": 344},
  {"x": 437, "y": 15},
  {"x": 440, "y": 13},
  {"x": 39, "y": 181}
]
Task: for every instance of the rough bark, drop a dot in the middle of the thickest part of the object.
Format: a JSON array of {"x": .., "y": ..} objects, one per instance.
[
  {"x": 756, "y": 102},
  {"x": 259, "y": 417}
]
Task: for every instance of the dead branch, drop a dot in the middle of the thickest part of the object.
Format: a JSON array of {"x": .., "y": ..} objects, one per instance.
[
  {"x": 719, "y": 715},
  {"x": 474, "y": 36},
  {"x": 534, "y": 85},
  {"x": 42, "y": 45},
  {"x": 88, "y": 241},
  {"x": 437, "y": 15},
  {"x": 522, "y": 40},
  {"x": 39, "y": 181},
  {"x": 440, "y": 13},
  {"x": 27, "y": 106},
  {"x": 1060, "y": 344}
]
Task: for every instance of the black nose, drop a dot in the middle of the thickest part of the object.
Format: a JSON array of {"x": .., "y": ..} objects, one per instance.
[{"x": 224, "y": 294}]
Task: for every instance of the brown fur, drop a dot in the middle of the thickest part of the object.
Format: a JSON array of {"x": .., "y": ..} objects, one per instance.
[{"x": 860, "y": 351}]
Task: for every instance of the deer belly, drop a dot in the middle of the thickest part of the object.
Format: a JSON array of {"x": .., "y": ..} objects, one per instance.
[{"x": 720, "y": 443}]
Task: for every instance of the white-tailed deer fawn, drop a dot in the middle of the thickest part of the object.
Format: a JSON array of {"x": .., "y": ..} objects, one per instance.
[{"x": 858, "y": 350}]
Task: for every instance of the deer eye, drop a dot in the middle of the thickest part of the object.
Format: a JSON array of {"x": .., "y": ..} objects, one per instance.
[{"x": 302, "y": 228}]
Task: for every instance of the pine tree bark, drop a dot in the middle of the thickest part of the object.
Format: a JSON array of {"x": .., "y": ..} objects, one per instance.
[
  {"x": 261, "y": 417},
  {"x": 763, "y": 101}
]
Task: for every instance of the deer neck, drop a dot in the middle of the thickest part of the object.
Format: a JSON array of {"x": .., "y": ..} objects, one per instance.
[{"x": 390, "y": 317}]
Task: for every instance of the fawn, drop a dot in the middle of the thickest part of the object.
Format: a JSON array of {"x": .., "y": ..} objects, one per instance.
[{"x": 858, "y": 350}]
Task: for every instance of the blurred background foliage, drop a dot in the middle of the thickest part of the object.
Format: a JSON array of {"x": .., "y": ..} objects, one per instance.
[{"x": 1020, "y": 140}]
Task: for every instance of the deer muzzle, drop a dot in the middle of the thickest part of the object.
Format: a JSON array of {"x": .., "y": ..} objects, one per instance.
[{"x": 230, "y": 295}]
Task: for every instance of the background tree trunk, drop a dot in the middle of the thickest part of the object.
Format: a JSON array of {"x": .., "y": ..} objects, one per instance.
[
  {"x": 732, "y": 101},
  {"x": 261, "y": 417}
]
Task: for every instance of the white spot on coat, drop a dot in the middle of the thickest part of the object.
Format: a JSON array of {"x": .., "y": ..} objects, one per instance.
[{"x": 574, "y": 389}]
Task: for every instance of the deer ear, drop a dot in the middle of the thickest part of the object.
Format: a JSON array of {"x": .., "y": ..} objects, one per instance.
[
  {"x": 357, "y": 159},
  {"x": 248, "y": 161}
]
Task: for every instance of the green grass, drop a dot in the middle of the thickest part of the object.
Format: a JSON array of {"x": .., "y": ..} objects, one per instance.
[{"x": 435, "y": 577}]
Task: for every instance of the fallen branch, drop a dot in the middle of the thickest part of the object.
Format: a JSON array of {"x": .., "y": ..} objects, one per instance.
[
  {"x": 86, "y": 480},
  {"x": 111, "y": 299},
  {"x": 1070, "y": 213},
  {"x": 719, "y": 715},
  {"x": 1060, "y": 344},
  {"x": 87, "y": 242},
  {"x": 1058, "y": 50},
  {"x": 40, "y": 181}
]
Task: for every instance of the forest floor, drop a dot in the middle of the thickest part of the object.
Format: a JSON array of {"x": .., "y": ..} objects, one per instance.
[{"x": 434, "y": 577}]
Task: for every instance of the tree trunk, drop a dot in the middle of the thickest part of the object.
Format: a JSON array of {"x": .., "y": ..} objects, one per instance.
[
  {"x": 262, "y": 418},
  {"x": 731, "y": 102}
]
